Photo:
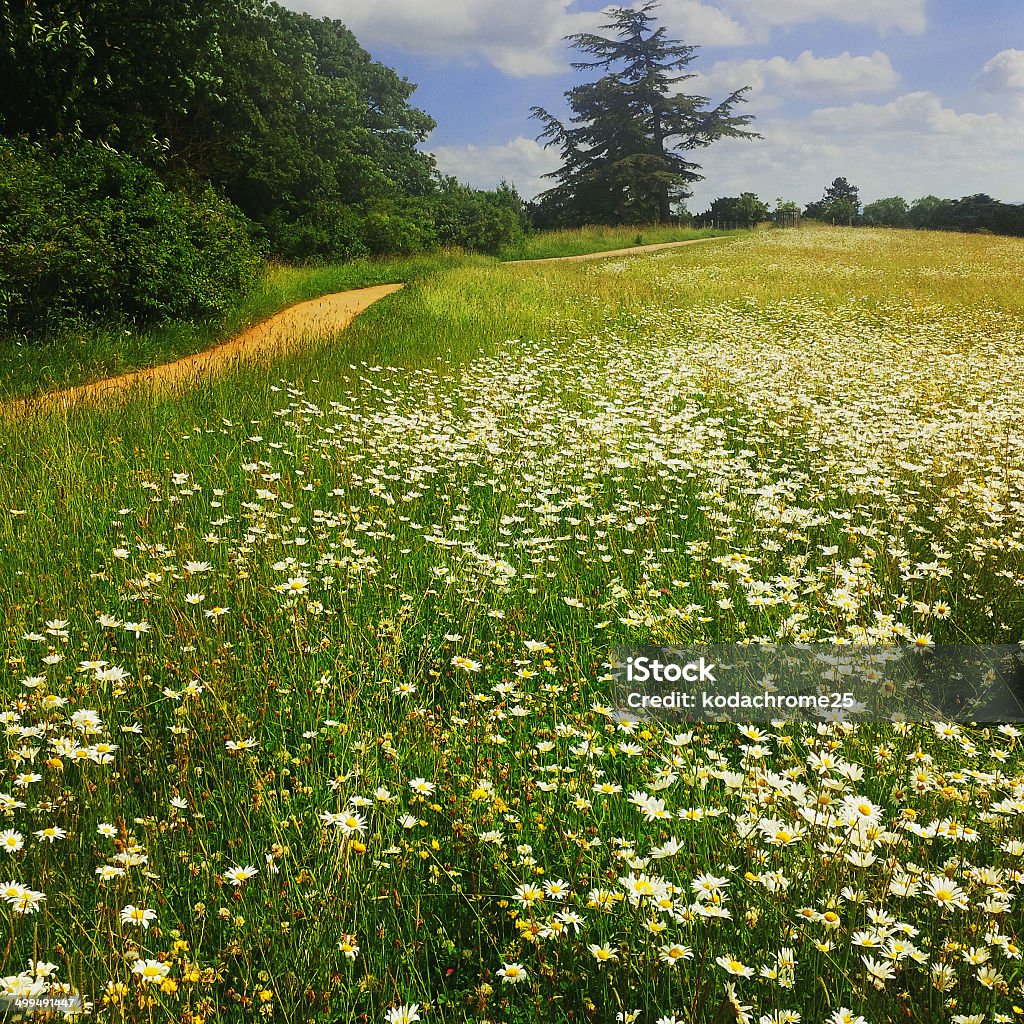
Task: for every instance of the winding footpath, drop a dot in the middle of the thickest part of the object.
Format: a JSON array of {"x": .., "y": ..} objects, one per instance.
[{"x": 306, "y": 321}]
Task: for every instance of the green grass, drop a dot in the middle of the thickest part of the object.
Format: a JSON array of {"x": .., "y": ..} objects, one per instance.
[{"x": 474, "y": 492}]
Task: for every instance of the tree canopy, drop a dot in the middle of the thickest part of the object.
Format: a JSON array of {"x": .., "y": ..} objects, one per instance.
[
  {"x": 974, "y": 213},
  {"x": 623, "y": 150},
  {"x": 742, "y": 211},
  {"x": 840, "y": 203},
  {"x": 273, "y": 130},
  {"x": 891, "y": 212}
]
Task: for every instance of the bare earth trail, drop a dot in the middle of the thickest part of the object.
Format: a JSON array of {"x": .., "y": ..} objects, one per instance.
[
  {"x": 614, "y": 252},
  {"x": 316, "y": 318}
]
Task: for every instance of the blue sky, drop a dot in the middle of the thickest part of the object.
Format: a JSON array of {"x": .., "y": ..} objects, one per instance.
[{"x": 901, "y": 97}]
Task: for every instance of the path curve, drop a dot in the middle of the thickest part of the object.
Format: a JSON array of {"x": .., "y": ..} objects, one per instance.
[{"x": 315, "y": 318}]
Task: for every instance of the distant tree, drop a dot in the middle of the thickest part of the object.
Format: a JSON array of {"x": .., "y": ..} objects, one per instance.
[
  {"x": 929, "y": 212},
  {"x": 839, "y": 205},
  {"x": 744, "y": 210},
  {"x": 977, "y": 213},
  {"x": 890, "y": 213},
  {"x": 1008, "y": 219},
  {"x": 973, "y": 213},
  {"x": 622, "y": 153}
]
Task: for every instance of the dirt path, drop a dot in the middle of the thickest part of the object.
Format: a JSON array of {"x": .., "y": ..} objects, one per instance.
[
  {"x": 316, "y": 318},
  {"x": 616, "y": 252}
]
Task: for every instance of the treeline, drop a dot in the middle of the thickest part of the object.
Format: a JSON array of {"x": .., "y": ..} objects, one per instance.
[
  {"x": 972, "y": 213},
  {"x": 153, "y": 153},
  {"x": 840, "y": 204}
]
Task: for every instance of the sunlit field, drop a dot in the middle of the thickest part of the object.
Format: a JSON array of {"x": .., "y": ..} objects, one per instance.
[{"x": 307, "y": 698}]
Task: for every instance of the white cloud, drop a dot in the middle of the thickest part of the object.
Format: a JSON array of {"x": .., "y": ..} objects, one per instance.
[
  {"x": 920, "y": 115},
  {"x": 884, "y": 15},
  {"x": 519, "y": 37},
  {"x": 845, "y": 74},
  {"x": 1004, "y": 72},
  {"x": 911, "y": 146},
  {"x": 525, "y": 37},
  {"x": 700, "y": 24},
  {"x": 521, "y": 161}
]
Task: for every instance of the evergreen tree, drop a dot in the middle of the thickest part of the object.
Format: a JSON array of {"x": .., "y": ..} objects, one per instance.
[
  {"x": 840, "y": 204},
  {"x": 622, "y": 151}
]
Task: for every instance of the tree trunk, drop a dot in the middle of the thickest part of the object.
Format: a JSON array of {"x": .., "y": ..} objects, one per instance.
[{"x": 664, "y": 209}]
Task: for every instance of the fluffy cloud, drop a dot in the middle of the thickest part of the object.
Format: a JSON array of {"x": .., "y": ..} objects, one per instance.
[
  {"x": 701, "y": 24},
  {"x": 884, "y": 15},
  {"x": 918, "y": 114},
  {"x": 1004, "y": 72},
  {"x": 911, "y": 146},
  {"x": 520, "y": 38},
  {"x": 521, "y": 161},
  {"x": 843, "y": 75},
  {"x": 524, "y": 37}
]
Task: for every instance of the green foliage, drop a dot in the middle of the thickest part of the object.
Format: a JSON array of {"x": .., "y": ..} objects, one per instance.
[
  {"x": 978, "y": 213},
  {"x": 308, "y": 124},
  {"x": 89, "y": 232},
  {"x": 928, "y": 211},
  {"x": 744, "y": 210},
  {"x": 127, "y": 73},
  {"x": 840, "y": 203},
  {"x": 473, "y": 219},
  {"x": 622, "y": 152},
  {"x": 329, "y": 228},
  {"x": 400, "y": 227},
  {"x": 892, "y": 212},
  {"x": 158, "y": 123}
]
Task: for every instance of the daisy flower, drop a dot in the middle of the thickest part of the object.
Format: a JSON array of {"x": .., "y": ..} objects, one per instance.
[
  {"x": 137, "y": 915},
  {"x": 238, "y": 874},
  {"x": 512, "y": 974}
]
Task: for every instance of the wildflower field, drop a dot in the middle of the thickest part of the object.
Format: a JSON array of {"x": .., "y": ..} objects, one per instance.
[{"x": 306, "y": 692}]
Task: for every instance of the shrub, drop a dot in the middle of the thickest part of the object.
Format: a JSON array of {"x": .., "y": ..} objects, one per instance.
[
  {"x": 90, "y": 233},
  {"x": 398, "y": 227},
  {"x": 478, "y": 220},
  {"x": 327, "y": 230}
]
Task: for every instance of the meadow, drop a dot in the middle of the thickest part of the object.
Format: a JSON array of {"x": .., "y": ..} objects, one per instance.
[
  {"x": 307, "y": 704},
  {"x": 93, "y": 351}
]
